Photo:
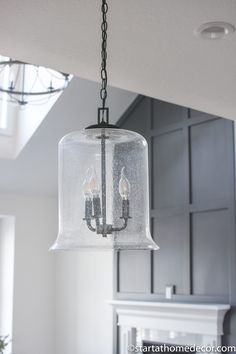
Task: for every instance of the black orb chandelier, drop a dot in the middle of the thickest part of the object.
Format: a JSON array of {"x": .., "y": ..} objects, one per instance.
[{"x": 25, "y": 83}]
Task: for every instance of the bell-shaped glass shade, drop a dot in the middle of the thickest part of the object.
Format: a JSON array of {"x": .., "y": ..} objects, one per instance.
[{"x": 103, "y": 191}]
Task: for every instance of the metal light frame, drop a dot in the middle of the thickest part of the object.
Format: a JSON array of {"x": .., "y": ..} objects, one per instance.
[{"x": 19, "y": 96}]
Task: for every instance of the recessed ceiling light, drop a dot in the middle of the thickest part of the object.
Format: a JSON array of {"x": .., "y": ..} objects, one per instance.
[{"x": 214, "y": 30}]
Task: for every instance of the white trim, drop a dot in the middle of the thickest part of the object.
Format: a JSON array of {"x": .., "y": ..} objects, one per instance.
[
  {"x": 179, "y": 305},
  {"x": 204, "y": 320}
]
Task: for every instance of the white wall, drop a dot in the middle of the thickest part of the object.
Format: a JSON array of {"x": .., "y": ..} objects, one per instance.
[
  {"x": 7, "y": 245},
  {"x": 59, "y": 298},
  {"x": 34, "y": 280},
  {"x": 84, "y": 319}
]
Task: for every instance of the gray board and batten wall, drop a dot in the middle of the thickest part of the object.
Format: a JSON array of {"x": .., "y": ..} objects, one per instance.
[{"x": 192, "y": 206}]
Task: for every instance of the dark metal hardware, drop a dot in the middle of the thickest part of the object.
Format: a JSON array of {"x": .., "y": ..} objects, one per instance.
[{"x": 95, "y": 209}]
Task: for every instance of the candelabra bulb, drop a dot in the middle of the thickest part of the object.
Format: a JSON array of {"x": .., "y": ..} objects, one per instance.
[
  {"x": 124, "y": 185},
  {"x": 94, "y": 183},
  {"x": 86, "y": 185}
]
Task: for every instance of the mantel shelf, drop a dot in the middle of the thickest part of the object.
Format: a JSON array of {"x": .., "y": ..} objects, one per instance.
[
  {"x": 170, "y": 305},
  {"x": 172, "y": 316}
]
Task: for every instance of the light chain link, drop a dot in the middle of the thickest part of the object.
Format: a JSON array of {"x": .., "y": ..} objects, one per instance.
[{"x": 104, "y": 26}]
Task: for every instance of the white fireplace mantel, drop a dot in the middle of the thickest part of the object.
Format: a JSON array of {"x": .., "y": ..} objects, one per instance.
[
  {"x": 193, "y": 318},
  {"x": 201, "y": 321}
]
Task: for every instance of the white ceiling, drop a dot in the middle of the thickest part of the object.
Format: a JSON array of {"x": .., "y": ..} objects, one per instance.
[
  {"x": 152, "y": 49},
  {"x": 35, "y": 169}
]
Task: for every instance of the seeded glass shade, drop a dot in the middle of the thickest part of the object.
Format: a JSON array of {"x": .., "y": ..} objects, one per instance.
[{"x": 80, "y": 181}]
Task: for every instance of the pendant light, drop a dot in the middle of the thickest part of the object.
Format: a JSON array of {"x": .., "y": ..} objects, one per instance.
[{"x": 103, "y": 182}]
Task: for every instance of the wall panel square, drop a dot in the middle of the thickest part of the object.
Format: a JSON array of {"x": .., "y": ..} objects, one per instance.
[
  {"x": 139, "y": 117},
  {"x": 211, "y": 160},
  {"x": 171, "y": 262},
  {"x": 168, "y": 170},
  {"x": 210, "y": 253},
  {"x": 134, "y": 275},
  {"x": 165, "y": 114}
]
